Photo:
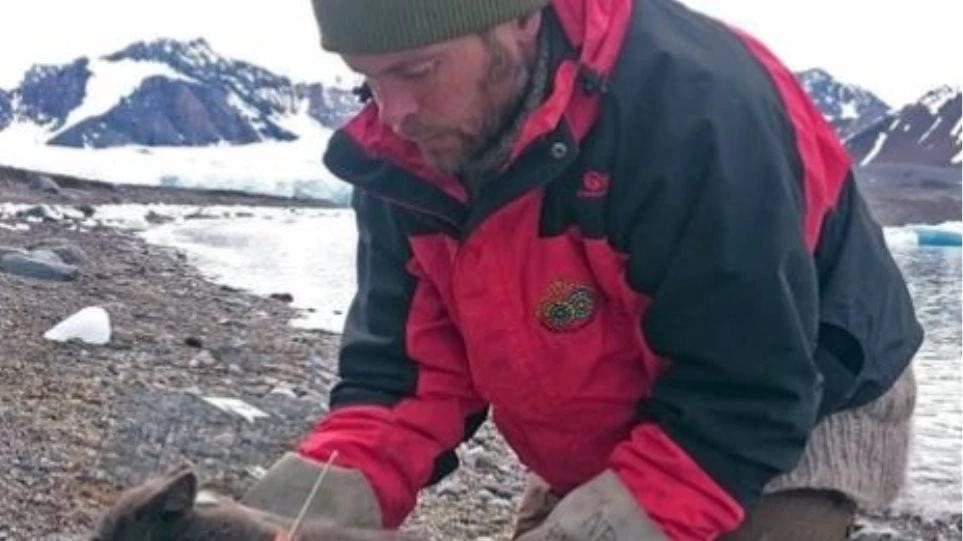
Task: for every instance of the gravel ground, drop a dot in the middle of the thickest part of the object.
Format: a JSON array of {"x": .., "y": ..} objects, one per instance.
[{"x": 78, "y": 422}]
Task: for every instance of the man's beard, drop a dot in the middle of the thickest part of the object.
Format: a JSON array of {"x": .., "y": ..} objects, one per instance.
[{"x": 500, "y": 90}]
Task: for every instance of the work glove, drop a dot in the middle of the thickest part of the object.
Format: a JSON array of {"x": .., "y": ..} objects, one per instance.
[
  {"x": 345, "y": 498},
  {"x": 534, "y": 506},
  {"x": 600, "y": 510}
]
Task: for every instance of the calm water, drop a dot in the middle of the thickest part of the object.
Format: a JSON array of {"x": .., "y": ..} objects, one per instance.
[
  {"x": 312, "y": 257},
  {"x": 934, "y": 278}
]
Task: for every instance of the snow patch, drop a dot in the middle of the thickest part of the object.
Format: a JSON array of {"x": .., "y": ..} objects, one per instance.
[
  {"x": 958, "y": 132},
  {"x": 849, "y": 110},
  {"x": 248, "y": 112},
  {"x": 930, "y": 130},
  {"x": 877, "y": 146},
  {"x": 303, "y": 124},
  {"x": 111, "y": 82},
  {"x": 22, "y": 131},
  {"x": 199, "y": 53}
]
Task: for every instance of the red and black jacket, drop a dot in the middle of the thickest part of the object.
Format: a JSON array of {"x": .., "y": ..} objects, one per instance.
[{"x": 674, "y": 278}]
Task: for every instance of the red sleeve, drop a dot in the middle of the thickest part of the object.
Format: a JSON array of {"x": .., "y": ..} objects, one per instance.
[
  {"x": 405, "y": 398},
  {"x": 674, "y": 491}
]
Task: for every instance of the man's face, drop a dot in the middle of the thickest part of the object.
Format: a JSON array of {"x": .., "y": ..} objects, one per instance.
[{"x": 451, "y": 98}]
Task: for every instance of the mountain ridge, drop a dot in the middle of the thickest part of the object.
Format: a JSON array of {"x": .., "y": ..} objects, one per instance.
[
  {"x": 927, "y": 131},
  {"x": 167, "y": 92}
]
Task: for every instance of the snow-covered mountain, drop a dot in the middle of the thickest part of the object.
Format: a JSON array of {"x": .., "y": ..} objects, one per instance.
[
  {"x": 849, "y": 108},
  {"x": 927, "y": 132},
  {"x": 168, "y": 93},
  {"x": 176, "y": 113}
]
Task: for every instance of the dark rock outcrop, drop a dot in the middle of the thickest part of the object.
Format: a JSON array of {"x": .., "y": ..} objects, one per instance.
[
  {"x": 49, "y": 93},
  {"x": 849, "y": 108},
  {"x": 6, "y": 109}
]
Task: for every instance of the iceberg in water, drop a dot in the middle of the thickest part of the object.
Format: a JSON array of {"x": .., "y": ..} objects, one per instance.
[{"x": 944, "y": 234}]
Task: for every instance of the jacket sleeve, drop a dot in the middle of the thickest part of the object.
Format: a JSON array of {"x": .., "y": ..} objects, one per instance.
[
  {"x": 868, "y": 328},
  {"x": 404, "y": 399},
  {"x": 717, "y": 246}
]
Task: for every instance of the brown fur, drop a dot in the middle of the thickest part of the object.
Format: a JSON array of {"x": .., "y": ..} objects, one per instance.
[{"x": 162, "y": 509}]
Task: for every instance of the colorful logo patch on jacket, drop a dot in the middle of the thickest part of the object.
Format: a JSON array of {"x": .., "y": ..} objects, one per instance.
[{"x": 567, "y": 306}]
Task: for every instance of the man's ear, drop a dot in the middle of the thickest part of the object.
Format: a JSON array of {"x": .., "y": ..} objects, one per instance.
[
  {"x": 530, "y": 24},
  {"x": 175, "y": 493}
]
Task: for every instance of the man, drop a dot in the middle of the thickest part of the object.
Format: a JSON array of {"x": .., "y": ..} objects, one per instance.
[{"x": 621, "y": 228}]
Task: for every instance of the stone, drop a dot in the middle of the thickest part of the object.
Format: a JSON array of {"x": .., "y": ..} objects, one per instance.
[
  {"x": 86, "y": 210},
  {"x": 202, "y": 359},
  {"x": 283, "y": 297},
  {"x": 66, "y": 250},
  {"x": 46, "y": 256},
  {"x": 40, "y": 213},
  {"x": 285, "y": 390},
  {"x": 153, "y": 217},
  {"x": 43, "y": 183},
  {"x": 24, "y": 265},
  {"x": 4, "y": 250}
]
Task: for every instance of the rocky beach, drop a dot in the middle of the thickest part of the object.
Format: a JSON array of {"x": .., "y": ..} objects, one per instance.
[{"x": 80, "y": 421}]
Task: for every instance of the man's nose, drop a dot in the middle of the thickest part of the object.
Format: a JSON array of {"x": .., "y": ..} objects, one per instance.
[{"x": 394, "y": 106}]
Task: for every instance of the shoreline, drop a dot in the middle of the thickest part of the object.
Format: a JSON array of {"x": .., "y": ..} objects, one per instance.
[
  {"x": 75, "y": 416},
  {"x": 27, "y": 187}
]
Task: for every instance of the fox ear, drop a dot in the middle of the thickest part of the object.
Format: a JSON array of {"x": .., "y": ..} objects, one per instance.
[
  {"x": 180, "y": 468},
  {"x": 175, "y": 494}
]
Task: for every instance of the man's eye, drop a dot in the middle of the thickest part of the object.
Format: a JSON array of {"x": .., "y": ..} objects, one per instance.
[{"x": 419, "y": 71}]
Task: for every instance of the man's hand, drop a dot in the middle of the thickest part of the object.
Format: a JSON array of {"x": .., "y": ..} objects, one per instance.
[
  {"x": 345, "y": 498},
  {"x": 600, "y": 510}
]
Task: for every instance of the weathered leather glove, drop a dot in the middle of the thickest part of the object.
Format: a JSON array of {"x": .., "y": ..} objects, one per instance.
[
  {"x": 535, "y": 505},
  {"x": 345, "y": 498},
  {"x": 600, "y": 510}
]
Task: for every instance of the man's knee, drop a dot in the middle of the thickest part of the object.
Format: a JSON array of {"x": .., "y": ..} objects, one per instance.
[{"x": 798, "y": 515}]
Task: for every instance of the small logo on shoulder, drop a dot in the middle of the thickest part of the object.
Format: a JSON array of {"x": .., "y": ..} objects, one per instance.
[
  {"x": 567, "y": 305},
  {"x": 594, "y": 184}
]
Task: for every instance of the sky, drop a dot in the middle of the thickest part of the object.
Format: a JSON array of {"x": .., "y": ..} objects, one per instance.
[{"x": 897, "y": 49}]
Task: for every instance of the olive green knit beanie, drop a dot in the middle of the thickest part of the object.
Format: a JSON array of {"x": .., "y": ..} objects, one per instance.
[{"x": 381, "y": 26}]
